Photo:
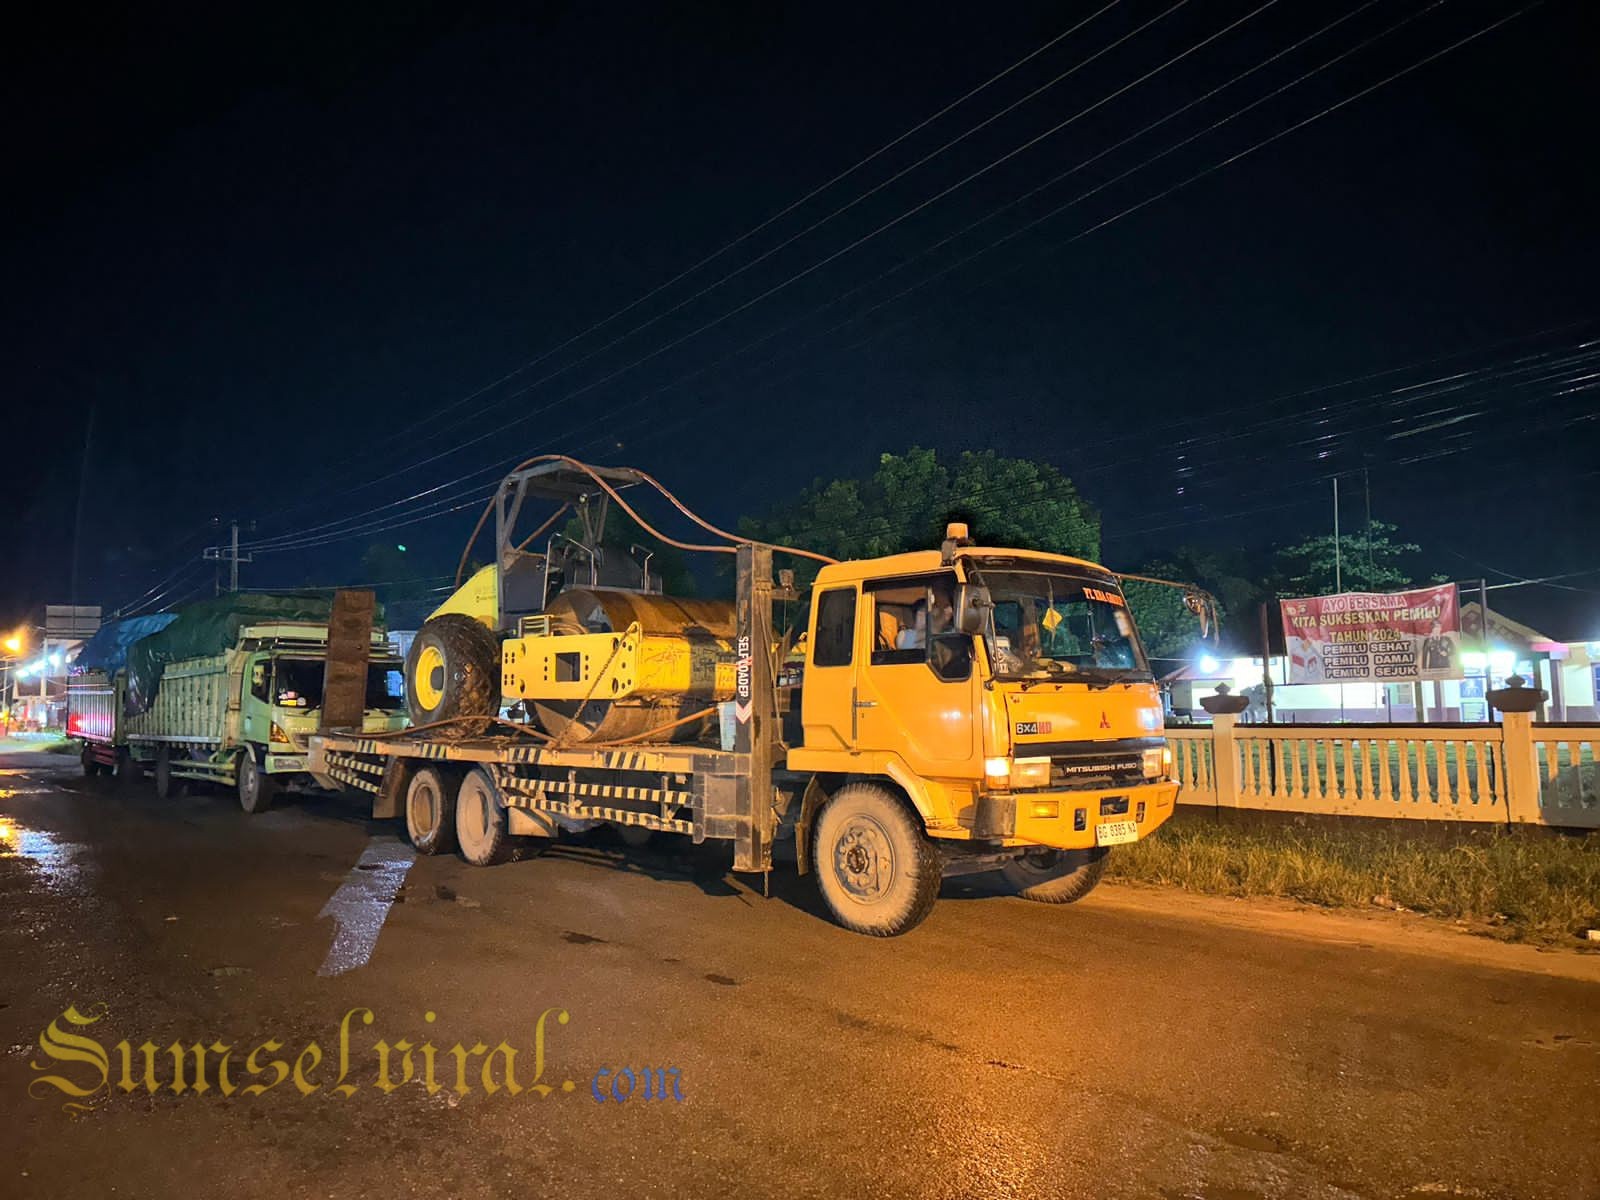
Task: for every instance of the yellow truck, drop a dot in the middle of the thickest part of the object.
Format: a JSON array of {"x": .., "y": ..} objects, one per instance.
[{"x": 950, "y": 710}]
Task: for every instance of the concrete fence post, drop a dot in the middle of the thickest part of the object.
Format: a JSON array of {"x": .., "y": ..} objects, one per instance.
[
  {"x": 1521, "y": 758},
  {"x": 1225, "y": 759}
]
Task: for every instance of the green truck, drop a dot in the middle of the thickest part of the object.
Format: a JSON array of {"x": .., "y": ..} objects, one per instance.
[{"x": 240, "y": 717}]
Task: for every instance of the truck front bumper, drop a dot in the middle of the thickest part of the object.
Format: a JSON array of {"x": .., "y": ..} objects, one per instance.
[{"x": 1071, "y": 820}]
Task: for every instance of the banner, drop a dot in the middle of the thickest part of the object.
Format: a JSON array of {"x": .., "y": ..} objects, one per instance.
[{"x": 1372, "y": 637}]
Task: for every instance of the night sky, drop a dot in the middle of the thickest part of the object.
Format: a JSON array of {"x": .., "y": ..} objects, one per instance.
[{"x": 256, "y": 267}]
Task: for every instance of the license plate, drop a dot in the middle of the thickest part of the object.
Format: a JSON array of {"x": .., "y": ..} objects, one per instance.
[{"x": 1115, "y": 833}]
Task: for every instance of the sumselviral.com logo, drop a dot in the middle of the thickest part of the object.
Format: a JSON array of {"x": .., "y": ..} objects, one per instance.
[{"x": 82, "y": 1068}]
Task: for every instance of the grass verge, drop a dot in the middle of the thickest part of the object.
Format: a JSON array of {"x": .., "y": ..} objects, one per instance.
[{"x": 1526, "y": 885}]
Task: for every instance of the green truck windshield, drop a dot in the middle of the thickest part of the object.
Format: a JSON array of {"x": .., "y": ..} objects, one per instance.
[{"x": 297, "y": 683}]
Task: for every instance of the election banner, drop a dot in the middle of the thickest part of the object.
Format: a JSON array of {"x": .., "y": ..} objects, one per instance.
[{"x": 1373, "y": 637}]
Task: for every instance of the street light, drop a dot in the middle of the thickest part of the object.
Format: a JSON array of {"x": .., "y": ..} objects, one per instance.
[{"x": 13, "y": 644}]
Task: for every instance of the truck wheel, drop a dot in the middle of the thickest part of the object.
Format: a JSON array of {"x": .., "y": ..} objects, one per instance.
[
  {"x": 431, "y": 810},
  {"x": 91, "y": 765},
  {"x": 168, "y": 787},
  {"x": 257, "y": 789},
  {"x": 877, "y": 870},
  {"x": 1055, "y": 876},
  {"x": 481, "y": 825},
  {"x": 127, "y": 770},
  {"x": 452, "y": 670}
]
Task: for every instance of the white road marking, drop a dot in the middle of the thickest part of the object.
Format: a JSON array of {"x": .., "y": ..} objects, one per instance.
[{"x": 362, "y": 903}]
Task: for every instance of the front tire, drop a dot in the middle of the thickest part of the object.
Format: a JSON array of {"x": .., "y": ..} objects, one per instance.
[
  {"x": 452, "y": 670},
  {"x": 257, "y": 789},
  {"x": 878, "y": 871},
  {"x": 431, "y": 810},
  {"x": 481, "y": 824},
  {"x": 1055, "y": 876}
]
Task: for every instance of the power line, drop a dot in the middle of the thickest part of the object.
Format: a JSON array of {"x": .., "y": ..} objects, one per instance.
[
  {"x": 1216, "y": 166},
  {"x": 817, "y": 265},
  {"x": 673, "y": 343},
  {"x": 962, "y": 261},
  {"x": 769, "y": 221}
]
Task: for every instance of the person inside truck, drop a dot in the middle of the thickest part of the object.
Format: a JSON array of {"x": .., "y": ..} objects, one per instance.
[{"x": 915, "y": 635}]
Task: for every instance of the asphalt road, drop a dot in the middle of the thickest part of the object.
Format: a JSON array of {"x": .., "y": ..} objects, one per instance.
[{"x": 1142, "y": 1043}]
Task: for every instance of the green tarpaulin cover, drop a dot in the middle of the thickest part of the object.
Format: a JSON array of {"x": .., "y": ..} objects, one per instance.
[{"x": 210, "y": 627}]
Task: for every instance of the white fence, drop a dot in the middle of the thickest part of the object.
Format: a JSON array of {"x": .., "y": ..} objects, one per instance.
[{"x": 1516, "y": 772}]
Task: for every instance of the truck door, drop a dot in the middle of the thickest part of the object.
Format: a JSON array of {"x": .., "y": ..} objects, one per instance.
[
  {"x": 915, "y": 685},
  {"x": 255, "y": 701},
  {"x": 827, "y": 699}
]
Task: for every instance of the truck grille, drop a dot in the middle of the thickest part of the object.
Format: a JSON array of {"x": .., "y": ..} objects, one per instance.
[{"x": 1096, "y": 772}]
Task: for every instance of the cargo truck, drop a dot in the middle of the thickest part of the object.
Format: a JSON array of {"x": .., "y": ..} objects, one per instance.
[
  {"x": 238, "y": 718},
  {"x": 954, "y": 709}
]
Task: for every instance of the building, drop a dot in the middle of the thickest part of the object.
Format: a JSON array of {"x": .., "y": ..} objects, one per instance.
[{"x": 1568, "y": 671}]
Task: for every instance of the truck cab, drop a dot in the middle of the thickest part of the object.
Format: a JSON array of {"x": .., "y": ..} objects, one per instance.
[
  {"x": 1004, "y": 695},
  {"x": 281, "y": 697}
]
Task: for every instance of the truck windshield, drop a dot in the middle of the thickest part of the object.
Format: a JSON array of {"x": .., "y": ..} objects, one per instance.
[
  {"x": 297, "y": 683},
  {"x": 1048, "y": 624}
]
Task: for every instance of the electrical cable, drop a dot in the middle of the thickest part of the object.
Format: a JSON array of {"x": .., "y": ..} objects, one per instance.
[
  {"x": 775, "y": 217},
  {"x": 1225, "y": 29}
]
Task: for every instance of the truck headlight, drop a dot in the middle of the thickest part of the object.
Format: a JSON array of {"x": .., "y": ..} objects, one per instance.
[
  {"x": 1030, "y": 773},
  {"x": 1000, "y": 773},
  {"x": 1158, "y": 762}
]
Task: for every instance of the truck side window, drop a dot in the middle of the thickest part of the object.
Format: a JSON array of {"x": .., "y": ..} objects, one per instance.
[
  {"x": 259, "y": 681},
  {"x": 914, "y": 624},
  {"x": 949, "y": 650},
  {"x": 836, "y": 628}
]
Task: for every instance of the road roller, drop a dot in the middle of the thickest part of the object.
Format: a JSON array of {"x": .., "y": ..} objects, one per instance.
[{"x": 573, "y": 634}]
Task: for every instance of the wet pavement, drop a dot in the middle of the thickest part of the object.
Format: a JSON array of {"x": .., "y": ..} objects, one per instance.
[{"x": 595, "y": 1020}]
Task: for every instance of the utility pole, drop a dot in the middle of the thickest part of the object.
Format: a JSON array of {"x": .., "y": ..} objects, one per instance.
[
  {"x": 1338, "y": 561},
  {"x": 230, "y": 555}
]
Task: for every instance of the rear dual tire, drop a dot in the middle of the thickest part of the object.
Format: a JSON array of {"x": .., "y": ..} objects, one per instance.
[
  {"x": 431, "y": 809},
  {"x": 483, "y": 830},
  {"x": 168, "y": 785}
]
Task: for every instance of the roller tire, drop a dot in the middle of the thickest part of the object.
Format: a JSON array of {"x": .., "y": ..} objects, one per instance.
[
  {"x": 430, "y": 811},
  {"x": 878, "y": 872},
  {"x": 469, "y": 682},
  {"x": 1055, "y": 876},
  {"x": 482, "y": 827}
]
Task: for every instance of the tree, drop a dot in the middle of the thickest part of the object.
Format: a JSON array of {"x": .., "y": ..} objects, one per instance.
[
  {"x": 909, "y": 498},
  {"x": 1170, "y": 631},
  {"x": 1368, "y": 561}
]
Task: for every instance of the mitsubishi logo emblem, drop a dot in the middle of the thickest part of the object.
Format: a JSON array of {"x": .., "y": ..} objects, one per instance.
[{"x": 1104, "y": 723}]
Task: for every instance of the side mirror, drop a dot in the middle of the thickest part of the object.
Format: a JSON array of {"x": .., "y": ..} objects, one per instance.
[{"x": 972, "y": 608}]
